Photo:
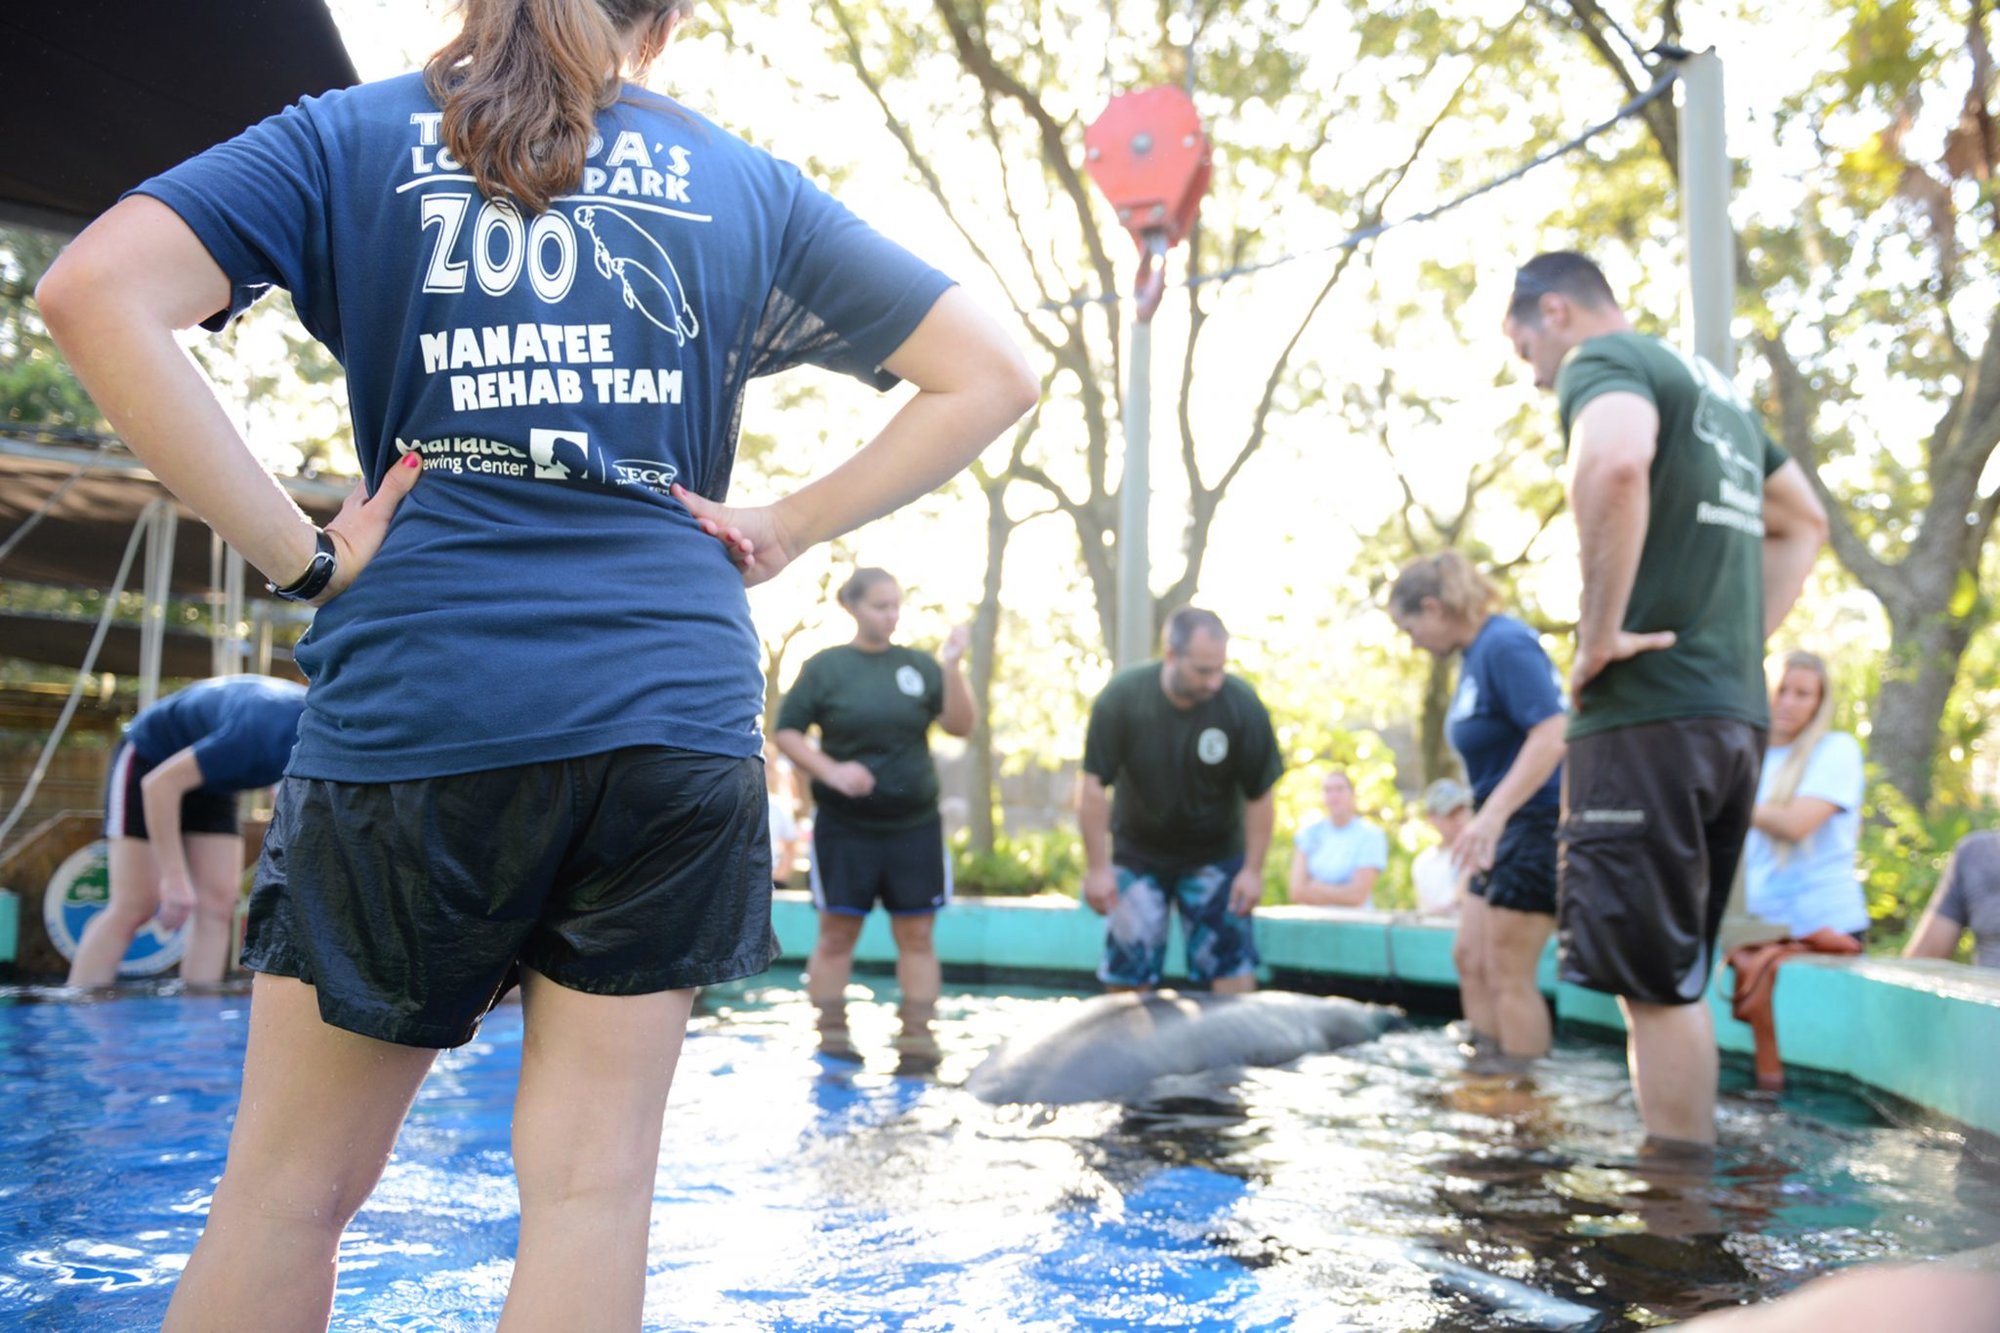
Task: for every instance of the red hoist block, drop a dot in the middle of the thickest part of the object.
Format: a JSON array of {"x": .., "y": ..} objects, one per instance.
[{"x": 1149, "y": 155}]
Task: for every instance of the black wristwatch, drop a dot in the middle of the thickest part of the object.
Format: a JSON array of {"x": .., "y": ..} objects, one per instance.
[{"x": 318, "y": 574}]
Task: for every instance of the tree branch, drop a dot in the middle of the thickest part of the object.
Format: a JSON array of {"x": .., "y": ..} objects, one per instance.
[
  {"x": 900, "y": 131},
  {"x": 1795, "y": 434},
  {"x": 978, "y": 61}
]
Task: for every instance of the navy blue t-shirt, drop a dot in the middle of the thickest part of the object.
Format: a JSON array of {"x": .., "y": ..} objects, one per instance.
[
  {"x": 540, "y": 594},
  {"x": 241, "y": 727},
  {"x": 1506, "y": 684}
]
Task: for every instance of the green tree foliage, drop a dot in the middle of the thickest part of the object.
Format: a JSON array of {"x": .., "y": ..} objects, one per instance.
[
  {"x": 1870, "y": 287},
  {"x": 36, "y": 386}
]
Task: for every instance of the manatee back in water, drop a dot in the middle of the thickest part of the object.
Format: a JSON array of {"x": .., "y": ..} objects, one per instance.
[{"x": 1111, "y": 1047}]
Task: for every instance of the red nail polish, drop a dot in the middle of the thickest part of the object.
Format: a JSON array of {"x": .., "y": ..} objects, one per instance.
[{"x": 413, "y": 460}]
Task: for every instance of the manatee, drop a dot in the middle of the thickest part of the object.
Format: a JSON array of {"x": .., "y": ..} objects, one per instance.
[{"x": 1112, "y": 1047}]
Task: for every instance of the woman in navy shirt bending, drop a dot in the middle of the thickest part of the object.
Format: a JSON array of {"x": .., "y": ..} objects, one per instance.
[{"x": 1506, "y": 722}]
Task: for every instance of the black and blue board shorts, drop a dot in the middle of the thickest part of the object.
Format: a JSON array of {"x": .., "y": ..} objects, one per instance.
[{"x": 410, "y": 906}]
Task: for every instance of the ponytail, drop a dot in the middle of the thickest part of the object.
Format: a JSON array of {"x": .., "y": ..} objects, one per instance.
[
  {"x": 1453, "y": 581},
  {"x": 522, "y": 83},
  {"x": 856, "y": 588}
]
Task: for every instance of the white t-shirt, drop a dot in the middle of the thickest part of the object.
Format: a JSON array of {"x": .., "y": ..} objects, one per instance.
[{"x": 1437, "y": 882}]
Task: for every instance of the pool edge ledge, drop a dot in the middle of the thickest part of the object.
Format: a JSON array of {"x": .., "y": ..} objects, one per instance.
[{"x": 1919, "y": 1031}]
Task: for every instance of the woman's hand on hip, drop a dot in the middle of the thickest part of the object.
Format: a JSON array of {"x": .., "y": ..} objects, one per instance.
[
  {"x": 755, "y": 538},
  {"x": 363, "y": 521}
]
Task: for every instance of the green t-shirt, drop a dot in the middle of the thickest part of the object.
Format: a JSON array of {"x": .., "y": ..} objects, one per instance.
[
  {"x": 875, "y": 709},
  {"x": 1179, "y": 777},
  {"x": 1701, "y": 571}
]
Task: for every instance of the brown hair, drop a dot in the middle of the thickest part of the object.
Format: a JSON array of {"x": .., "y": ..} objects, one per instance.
[
  {"x": 1785, "y": 784},
  {"x": 859, "y": 582},
  {"x": 1453, "y": 580},
  {"x": 1187, "y": 622},
  {"x": 1562, "y": 273},
  {"x": 522, "y": 83}
]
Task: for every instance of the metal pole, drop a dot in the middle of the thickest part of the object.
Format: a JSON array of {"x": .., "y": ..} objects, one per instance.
[
  {"x": 1135, "y": 594},
  {"x": 157, "y": 584},
  {"x": 1708, "y": 302},
  {"x": 218, "y": 632}
]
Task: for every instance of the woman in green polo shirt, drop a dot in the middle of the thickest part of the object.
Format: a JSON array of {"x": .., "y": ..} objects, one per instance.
[{"x": 876, "y": 830}]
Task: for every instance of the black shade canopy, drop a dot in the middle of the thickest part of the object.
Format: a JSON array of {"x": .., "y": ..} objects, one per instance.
[{"x": 101, "y": 94}]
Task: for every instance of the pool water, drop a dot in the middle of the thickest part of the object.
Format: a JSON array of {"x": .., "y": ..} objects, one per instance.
[{"x": 1373, "y": 1188}]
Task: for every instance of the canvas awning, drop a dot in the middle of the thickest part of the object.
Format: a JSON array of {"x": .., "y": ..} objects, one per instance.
[
  {"x": 101, "y": 94},
  {"x": 83, "y": 502}
]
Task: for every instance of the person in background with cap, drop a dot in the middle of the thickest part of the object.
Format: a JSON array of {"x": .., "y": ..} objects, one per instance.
[
  {"x": 1440, "y": 882},
  {"x": 170, "y": 819},
  {"x": 1506, "y": 722}
]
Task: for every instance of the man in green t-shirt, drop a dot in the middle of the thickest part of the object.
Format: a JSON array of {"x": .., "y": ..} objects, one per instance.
[
  {"x": 1696, "y": 534},
  {"x": 1190, "y": 752}
]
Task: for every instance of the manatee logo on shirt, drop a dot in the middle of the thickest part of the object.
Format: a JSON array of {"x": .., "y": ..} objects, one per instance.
[
  {"x": 909, "y": 681},
  {"x": 1212, "y": 746},
  {"x": 564, "y": 455},
  {"x": 1466, "y": 702}
]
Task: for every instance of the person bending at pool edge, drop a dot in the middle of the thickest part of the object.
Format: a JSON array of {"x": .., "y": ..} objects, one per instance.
[
  {"x": 170, "y": 819},
  {"x": 1506, "y": 722},
  {"x": 1695, "y": 534},
  {"x": 876, "y": 832},
  {"x": 1190, "y": 752},
  {"x": 531, "y": 741},
  {"x": 1336, "y": 860}
]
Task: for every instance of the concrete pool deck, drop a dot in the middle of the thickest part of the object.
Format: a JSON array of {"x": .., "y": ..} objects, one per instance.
[{"x": 1927, "y": 1032}]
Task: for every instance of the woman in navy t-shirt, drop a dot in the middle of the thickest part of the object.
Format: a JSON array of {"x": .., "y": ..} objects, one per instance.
[
  {"x": 531, "y": 739},
  {"x": 1506, "y": 722}
]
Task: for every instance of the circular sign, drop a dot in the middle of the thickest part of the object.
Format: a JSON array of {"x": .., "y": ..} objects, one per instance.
[
  {"x": 78, "y": 891},
  {"x": 1212, "y": 746}
]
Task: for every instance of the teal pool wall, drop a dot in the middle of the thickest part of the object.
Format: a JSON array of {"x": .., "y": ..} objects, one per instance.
[{"x": 1927, "y": 1032}]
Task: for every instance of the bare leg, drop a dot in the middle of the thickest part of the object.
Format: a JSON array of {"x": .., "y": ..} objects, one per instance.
[
  {"x": 1240, "y": 984},
  {"x": 319, "y": 1113},
  {"x": 216, "y": 862},
  {"x": 1671, "y": 1049},
  {"x": 1514, "y": 944},
  {"x": 595, "y": 1070},
  {"x": 1471, "y": 954},
  {"x": 135, "y": 897},
  {"x": 918, "y": 971},
  {"x": 920, "y": 976},
  {"x": 827, "y": 974}
]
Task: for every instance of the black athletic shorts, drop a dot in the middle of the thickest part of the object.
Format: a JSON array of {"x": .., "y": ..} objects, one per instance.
[
  {"x": 1654, "y": 818},
  {"x": 908, "y": 870},
  {"x": 202, "y": 810},
  {"x": 410, "y": 905},
  {"x": 1523, "y": 877}
]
